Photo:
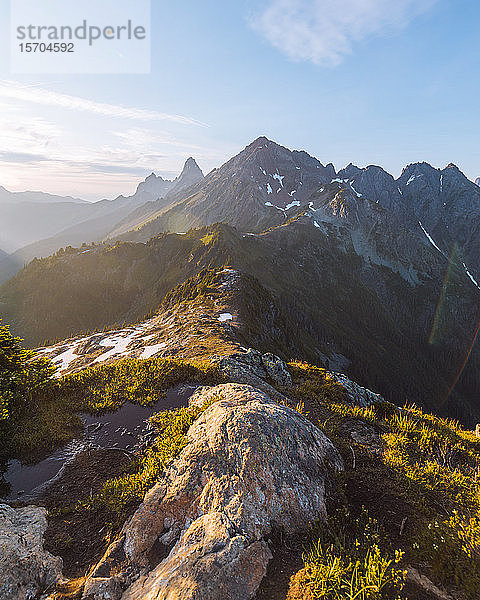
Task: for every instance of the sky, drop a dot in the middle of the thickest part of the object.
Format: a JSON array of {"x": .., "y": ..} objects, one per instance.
[{"x": 362, "y": 81}]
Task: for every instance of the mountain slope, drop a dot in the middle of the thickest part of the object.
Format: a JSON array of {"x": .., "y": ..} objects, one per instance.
[
  {"x": 358, "y": 311},
  {"x": 42, "y": 229},
  {"x": 444, "y": 203},
  {"x": 259, "y": 188},
  {"x": 254, "y": 429},
  {"x": 7, "y": 197}
]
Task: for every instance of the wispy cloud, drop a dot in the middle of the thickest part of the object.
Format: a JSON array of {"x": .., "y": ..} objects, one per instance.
[
  {"x": 68, "y": 145},
  {"x": 325, "y": 31},
  {"x": 37, "y": 95}
]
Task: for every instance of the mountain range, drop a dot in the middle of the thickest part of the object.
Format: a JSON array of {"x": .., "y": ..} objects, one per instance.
[
  {"x": 303, "y": 343},
  {"x": 365, "y": 273},
  {"x": 35, "y": 224}
]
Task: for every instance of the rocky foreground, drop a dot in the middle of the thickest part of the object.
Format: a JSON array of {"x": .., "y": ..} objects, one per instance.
[{"x": 251, "y": 466}]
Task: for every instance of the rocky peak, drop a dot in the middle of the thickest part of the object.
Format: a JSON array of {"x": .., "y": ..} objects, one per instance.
[
  {"x": 190, "y": 175},
  {"x": 190, "y": 164},
  {"x": 350, "y": 171},
  {"x": 154, "y": 185},
  {"x": 258, "y": 143}
]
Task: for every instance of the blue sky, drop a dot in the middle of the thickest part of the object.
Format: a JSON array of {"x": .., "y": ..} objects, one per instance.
[{"x": 362, "y": 81}]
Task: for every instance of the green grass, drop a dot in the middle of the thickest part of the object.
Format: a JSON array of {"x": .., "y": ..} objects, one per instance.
[
  {"x": 437, "y": 461},
  {"x": 350, "y": 560},
  {"x": 423, "y": 469},
  {"x": 51, "y": 418},
  {"x": 119, "y": 493}
]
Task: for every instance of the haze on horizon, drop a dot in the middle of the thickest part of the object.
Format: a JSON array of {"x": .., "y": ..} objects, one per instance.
[{"x": 350, "y": 81}]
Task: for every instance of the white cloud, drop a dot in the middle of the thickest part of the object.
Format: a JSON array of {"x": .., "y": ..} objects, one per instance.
[
  {"x": 324, "y": 31},
  {"x": 25, "y": 93}
]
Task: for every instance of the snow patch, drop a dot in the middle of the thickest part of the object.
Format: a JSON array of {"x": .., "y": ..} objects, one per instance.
[
  {"x": 119, "y": 344},
  {"x": 430, "y": 239},
  {"x": 228, "y": 271},
  {"x": 277, "y": 207},
  {"x": 269, "y": 188},
  {"x": 279, "y": 178},
  {"x": 413, "y": 177},
  {"x": 65, "y": 358},
  {"x": 292, "y": 204},
  {"x": 471, "y": 276},
  {"x": 225, "y": 317},
  {"x": 149, "y": 351},
  {"x": 355, "y": 191}
]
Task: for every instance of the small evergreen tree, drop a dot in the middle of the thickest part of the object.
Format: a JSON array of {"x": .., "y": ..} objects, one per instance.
[{"x": 21, "y": 374}]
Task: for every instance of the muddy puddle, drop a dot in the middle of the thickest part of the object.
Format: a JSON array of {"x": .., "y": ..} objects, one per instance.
[{"x": 123, "y": 429}]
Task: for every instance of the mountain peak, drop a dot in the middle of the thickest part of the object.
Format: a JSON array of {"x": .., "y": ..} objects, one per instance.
[
  {"x": 154, "y": 185},
  {"x": 153, "y": 177},
  {"x": 191, "y": 165},
  {"x": 259, "y": 142},
  {"x": 191, "y": 174}
]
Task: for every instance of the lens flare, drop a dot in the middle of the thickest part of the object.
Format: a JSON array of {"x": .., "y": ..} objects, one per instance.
[
  {"x": 464, "y": 364},
  {"x": 434, "y": 333}
]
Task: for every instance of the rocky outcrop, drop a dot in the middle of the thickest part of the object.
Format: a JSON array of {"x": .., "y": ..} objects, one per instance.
[
  {"x": 250, "y": 466},
  {"x": 256, "y": 369},
  {"x": 26, "y": 569},
  {"x": 356, "y": 393}
]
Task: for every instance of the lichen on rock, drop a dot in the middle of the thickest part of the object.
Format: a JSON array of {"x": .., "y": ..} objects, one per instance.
[{"x": 250, "y": 466}]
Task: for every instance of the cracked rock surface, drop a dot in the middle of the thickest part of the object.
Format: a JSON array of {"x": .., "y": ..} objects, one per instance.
[{"x": 250, "y": 465}]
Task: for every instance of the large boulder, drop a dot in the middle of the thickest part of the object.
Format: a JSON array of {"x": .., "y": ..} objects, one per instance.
[
  {"x": 26, "y": 569},
  {"x": 250, "y": 466}
]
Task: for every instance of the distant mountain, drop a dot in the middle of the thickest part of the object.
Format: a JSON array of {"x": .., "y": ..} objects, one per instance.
[
  {"x": 448, "y": 206},
  {"x": 41, "y": 197},
  {"x": 267, "y": 184},
  {"x": 443, "y": 203},
  {"x": 190, "y": 175},
  {"x": 154, "y": 186},
  {"x": 356, "y": 261},
  {"x": 260, "y": 187},
  {"x": 38, "y": 229}
]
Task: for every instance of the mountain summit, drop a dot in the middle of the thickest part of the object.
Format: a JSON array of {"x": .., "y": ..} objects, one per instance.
[
  {"x": 157, "y": 187},
  {"x": 190, "y": 175},
  {"x": 260, "y": 187}
]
